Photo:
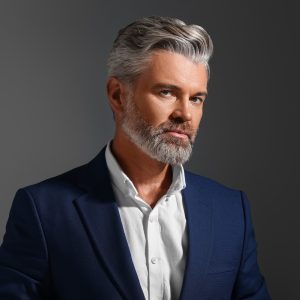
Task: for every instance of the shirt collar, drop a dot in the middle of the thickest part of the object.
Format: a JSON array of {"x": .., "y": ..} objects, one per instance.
[{"x": 126, "y": 186}]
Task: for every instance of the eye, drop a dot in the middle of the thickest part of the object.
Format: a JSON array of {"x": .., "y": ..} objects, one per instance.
[
  {"x": 197, "y": 99},
  {"x": 165, "y": 93}
]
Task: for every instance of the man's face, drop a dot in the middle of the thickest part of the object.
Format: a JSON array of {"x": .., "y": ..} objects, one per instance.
[{"x": 164, "y": 107}]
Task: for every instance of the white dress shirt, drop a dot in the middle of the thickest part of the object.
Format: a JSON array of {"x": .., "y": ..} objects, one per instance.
[{"x": 156, "y": 237}]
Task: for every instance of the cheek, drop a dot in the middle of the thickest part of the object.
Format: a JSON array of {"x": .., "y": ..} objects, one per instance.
[
  {"x": 154, "y": 112},
  {"x": 157, "y": 117},
  {"x": 197, "y": 116}
]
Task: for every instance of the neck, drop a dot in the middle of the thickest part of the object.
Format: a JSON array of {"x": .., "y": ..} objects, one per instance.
[{"x": 150, "y": 177}]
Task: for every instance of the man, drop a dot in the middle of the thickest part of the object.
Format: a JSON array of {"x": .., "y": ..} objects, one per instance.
[{"x": 132, "y": 224}]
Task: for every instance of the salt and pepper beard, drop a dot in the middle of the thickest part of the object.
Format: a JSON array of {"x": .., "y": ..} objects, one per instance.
[{"x": 154, "y": 141}]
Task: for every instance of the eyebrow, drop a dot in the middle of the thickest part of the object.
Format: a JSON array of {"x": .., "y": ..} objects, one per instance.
[{"x": 175, "y": 87}]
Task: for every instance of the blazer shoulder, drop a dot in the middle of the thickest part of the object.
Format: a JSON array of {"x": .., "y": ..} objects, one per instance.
[
  {"x": 221, "y": 195},
  {"x": 87, "y": 178},
  {"x": 208, "y": 183},
  {"x": 62, "y": 186}
]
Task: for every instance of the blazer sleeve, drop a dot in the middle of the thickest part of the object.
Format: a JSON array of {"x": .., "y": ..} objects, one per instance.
[
  {"x": 23, "y": 253},
  {"x": 250, "y": 284}
]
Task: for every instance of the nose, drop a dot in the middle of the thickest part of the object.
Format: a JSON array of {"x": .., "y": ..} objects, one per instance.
[{"x": 182, "y": 111}]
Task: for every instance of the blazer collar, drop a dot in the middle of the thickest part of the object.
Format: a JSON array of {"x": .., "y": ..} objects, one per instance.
[
  {"x": 100, "y": 217},
  {"x": 199, "y": 213}
]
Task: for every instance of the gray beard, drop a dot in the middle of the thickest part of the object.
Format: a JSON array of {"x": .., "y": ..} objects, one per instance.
[{"x": 153, "y": 140}]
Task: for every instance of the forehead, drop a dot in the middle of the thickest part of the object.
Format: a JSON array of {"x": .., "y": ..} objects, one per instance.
[{"x": 165, "y": 67}]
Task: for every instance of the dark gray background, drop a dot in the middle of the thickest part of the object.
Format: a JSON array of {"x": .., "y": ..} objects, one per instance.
[{"x": 54, "y": 113}]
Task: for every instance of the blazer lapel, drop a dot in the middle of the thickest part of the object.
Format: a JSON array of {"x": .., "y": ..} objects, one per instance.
[
  {"x": 100, "y": 217},
  {"x": 198, "y": 207}
]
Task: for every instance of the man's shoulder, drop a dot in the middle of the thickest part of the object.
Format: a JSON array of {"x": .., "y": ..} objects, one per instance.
[
  {"x": 207, "y": 183},
  {"x": 65, "y": 184},
  {"x": 73, "y": 182},
  {"x": 213, "y": 190}
]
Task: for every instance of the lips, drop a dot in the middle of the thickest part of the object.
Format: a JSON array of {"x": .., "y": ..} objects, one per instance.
[{"x": 179, "y": 133}]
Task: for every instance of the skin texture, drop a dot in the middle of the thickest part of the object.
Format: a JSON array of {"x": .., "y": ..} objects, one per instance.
[{"x": 171, "y": 87}]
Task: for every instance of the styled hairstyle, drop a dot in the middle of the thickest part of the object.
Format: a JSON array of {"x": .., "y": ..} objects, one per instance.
[{"x": 136, "y": 42}]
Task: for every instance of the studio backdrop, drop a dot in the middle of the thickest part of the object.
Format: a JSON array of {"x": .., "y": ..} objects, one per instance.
[{"x": 54, "y": 113}]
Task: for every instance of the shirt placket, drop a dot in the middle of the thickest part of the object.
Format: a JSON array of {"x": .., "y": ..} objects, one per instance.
[{"x": 155, "y": 279}]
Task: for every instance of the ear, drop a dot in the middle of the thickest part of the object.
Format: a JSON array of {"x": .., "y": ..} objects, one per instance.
[{"x": 116, "y": 94}]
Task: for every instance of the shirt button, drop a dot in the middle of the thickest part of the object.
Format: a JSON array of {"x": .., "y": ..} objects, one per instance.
[
  {"x": 154, "y": 260},
  {"x": 164, "y": 202},
  {"x": 144, "y": 208}
]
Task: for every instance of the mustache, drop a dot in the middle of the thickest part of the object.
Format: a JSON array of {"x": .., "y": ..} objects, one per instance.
[{"x": 184, "y": 128}]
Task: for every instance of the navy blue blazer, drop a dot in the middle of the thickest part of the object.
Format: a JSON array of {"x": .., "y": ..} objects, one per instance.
[{"x": 64, "y": 240}]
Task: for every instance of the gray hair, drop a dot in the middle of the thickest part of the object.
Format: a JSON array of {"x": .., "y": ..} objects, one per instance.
[{"x": 136, "y": 42}]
